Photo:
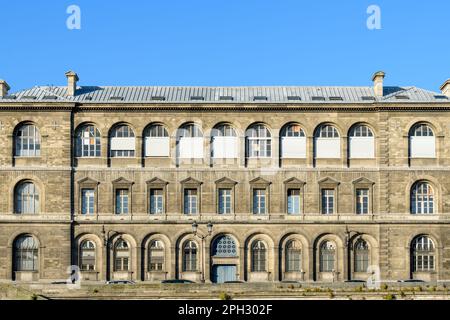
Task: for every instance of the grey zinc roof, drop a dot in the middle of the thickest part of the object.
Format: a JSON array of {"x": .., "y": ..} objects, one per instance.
[{"x": 172, "y": 94}]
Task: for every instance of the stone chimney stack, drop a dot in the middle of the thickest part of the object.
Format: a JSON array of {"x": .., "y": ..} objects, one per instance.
[
  {"x": 378, "y": 79},
  {"x": 72, "y": 79},
  {"x": 445, "y": 88},
  {"x": 4, "y": 88}
]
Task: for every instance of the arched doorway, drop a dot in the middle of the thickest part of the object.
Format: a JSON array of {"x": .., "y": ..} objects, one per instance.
[{"x": 224, "y": 260}]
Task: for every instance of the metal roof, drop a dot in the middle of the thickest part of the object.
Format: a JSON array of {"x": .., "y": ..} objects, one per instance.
[{"x": 173, "y": 94}]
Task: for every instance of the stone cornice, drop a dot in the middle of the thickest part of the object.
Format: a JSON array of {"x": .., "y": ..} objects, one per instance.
[{"x": 246, "y": 107}]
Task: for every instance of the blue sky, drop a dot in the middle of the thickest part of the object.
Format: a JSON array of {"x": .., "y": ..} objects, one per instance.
[{"x": 225, "y": 42}]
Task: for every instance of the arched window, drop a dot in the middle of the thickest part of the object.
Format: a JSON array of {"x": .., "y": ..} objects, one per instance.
[
  {"x": 361, "y": 252},
  {"x": 190, "y": 256},
  {"x": 259, "y": 142},
  {"x": 157, "y": 141},
  {"x": 190, "y": 141},
  {"x": 27, "y": 141},
  {"x": 88, "y": 142},
  {"x": 423, "y": 254},
  {"x": 327, "y": 142},
  {"x": 361, "y": 143},
  {"x": 87, "y": 256},
  {"x": 156, "y": 256},
  {"x": 422, "y": 142},
  {"x": 422, "y": 198},
  {"x": 26, "y": 250},
  {"x": 225, "y": 143},
  {"x": 258, "y": 256},
  {"x": 122, "y": 141},
  {"x": 121, "y": 256},
  {"x": 224, "y": 246},
  {"x": 327, "y": 256},
  {"x": 293, "y": 142},
  {"x": 293, "y": 256},
  {"x": 26, "y": 198}
]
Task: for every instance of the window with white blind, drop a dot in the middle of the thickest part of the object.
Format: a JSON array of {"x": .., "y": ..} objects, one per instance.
[
  {"x": 225, "y": 143},
  {"x": 294, "y": 201},
  {"x": 259, "y": 142},
  {"x": 190, "y": 142},
  {"x": 122, "y": 142},
  {"x": 422, "y": 142},
  {"x": 157, "y": 141},
  {"x": 361, "y": 143},
  {"x": 293, "y": 142},
  {"x": 327, "y": 143},
  {"x": 87, "y": 256}
]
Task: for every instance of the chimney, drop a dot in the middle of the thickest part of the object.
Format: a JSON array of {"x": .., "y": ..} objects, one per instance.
[
  {"x": 445, "y": 88},
  {"x": 4, "y": 88},
  {"x": 377, "y": 79},
  {"x": 72, "y": 79}
]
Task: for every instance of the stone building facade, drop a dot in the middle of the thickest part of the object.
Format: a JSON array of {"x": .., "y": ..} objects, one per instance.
[{"x": 221, "y": 184}]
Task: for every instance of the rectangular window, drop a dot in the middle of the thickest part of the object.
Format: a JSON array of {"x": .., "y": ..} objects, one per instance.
[
  {"x": 225, "y": 201},
  {"x": 87, "y": 201},
  {"x": 327, "y": 201},
  {"x": 293, "y": 201},
  {"x": 190, "y": 201},
  {"x": 362, "y": 201},
  {"x": 157, "y": 146},
  {"x": 259, "y": 147},
  {"x": 259, "y": 201},
  {"x": 156, "y": 201},
  {"x": 122, "y": 201}
]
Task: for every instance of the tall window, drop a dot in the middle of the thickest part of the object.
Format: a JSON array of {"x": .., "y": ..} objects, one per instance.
[
  {"x": 88, "y": 142},
  {"x": 87, "y": 201},
  {"x": 328, "y": 202},
  {"x": 225, "y": 201},
  {"x": 362, "y": 201},
  {"x": 26, "y": 198},
  {"x": 28, "y": 141},
  {"x": 190, "y": 142},
  {"x": 87, "y": 256},
  {"x": 122, "y": 202},
  {"x": 156, "y": 256},
  {"x": 327, "y": 256},
  {"x": 122, "y": 142},
  {"x": 157, "y": 141},
  {"x": 294, "y": 201},
  {"x": 361, "y": 250},
  {"x": 293, "y": 142},
  {"x": 293, "y": 256},
  {"x": 361, "y": 143},
  {"x": 423, "y": 254},
  {"x": 259, "y": 142},
  {"x": 422, "y": 142},
  {"x": 259, "y": 201},
  {"x": 225, "y": 246},
  {"x": 156, "y": 201},
  {"x": 422, "y": 198},
  {"x": 190, "y": 256},
  {"x": 225, "y": 143},
  {"x": 327, "y": 142},
  {"x": 190, "y": 201},
  {"x": 121, "y": 256},
  {"x": 258, "y": 256},
  {"x": 26, "y": 250}
]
